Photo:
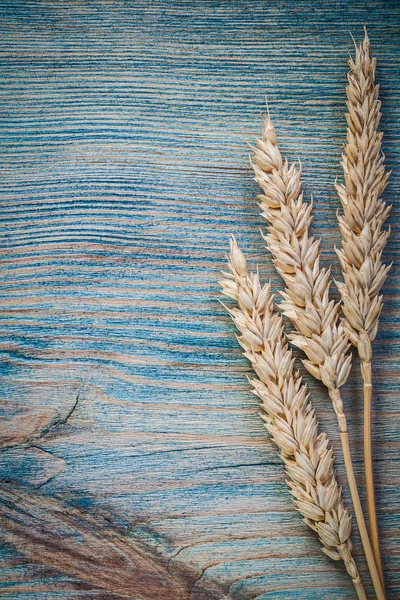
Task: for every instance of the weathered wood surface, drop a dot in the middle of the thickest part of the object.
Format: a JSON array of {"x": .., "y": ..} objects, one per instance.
[{"x": 130, "y": 436}]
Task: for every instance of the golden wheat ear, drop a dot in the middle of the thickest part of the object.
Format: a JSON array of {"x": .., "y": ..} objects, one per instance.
[
  {"x": 315, "y": 317},
  {"x": 288, "y": 414},
  {"x": 363, "y": 236}
]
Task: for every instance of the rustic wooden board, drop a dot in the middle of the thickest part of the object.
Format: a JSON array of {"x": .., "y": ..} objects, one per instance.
[{"x": 132, "y": 443}]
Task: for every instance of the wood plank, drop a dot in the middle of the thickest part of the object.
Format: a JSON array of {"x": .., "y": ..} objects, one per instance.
[{"x": 126, "y": 414}]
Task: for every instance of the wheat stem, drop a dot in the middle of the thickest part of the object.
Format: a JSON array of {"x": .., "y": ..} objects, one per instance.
[
  {"x": 375, "y": 576},
  {"x": 289, "y": 416},
  {"x": 368, "y": 548},
  {"x": 366, "y": 371},
  {"x": 363, "y": 237}
]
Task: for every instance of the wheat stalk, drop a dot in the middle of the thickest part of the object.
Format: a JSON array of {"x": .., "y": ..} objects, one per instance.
[
  {"x": 306, "y": 302},
  {"x": 363, "y": 237},
  {"x": 289, "y": 416},
  {"x": 296, "y": 258}
]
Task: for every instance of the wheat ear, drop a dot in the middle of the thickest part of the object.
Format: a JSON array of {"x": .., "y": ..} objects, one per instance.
[
  {"x": 363, "y": 237},
  {"x": 289, "y": 416},
  {"x": 306, "y": 298}
]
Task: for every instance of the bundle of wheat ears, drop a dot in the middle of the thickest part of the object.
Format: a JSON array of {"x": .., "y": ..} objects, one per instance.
[{"x": 323, "y": 328}]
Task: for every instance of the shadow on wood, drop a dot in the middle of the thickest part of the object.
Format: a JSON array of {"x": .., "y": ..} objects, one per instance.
[{"x": 52, "y": 534}]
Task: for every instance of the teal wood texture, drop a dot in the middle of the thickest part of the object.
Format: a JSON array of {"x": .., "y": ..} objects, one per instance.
[{"x": 132, "y": 445}]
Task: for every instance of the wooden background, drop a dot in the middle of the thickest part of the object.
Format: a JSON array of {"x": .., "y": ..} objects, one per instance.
[{"x": 134, "y": 462}]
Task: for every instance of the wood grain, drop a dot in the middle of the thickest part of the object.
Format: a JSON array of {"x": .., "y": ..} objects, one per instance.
[
  {"x": 126, "y": 409},
  {"x": 52, "y": 534}
]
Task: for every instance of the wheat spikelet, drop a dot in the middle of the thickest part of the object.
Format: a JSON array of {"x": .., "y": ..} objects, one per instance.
[
  {"x": 296, "y": 256},
  {"x": 364, "y": 211},
  {"x": 289, "y": 417},
  {"x": 363, "y": 236}
]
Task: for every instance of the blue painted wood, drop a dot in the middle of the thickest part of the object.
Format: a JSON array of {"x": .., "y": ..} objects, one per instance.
[{"x": 124, "y": 171}]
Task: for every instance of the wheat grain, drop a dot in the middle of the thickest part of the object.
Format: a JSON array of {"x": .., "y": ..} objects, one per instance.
[
  {"x": 363, "y": 236},
  {"x": 289, "y": 416},
  {"x": 296, "y": 256}
]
